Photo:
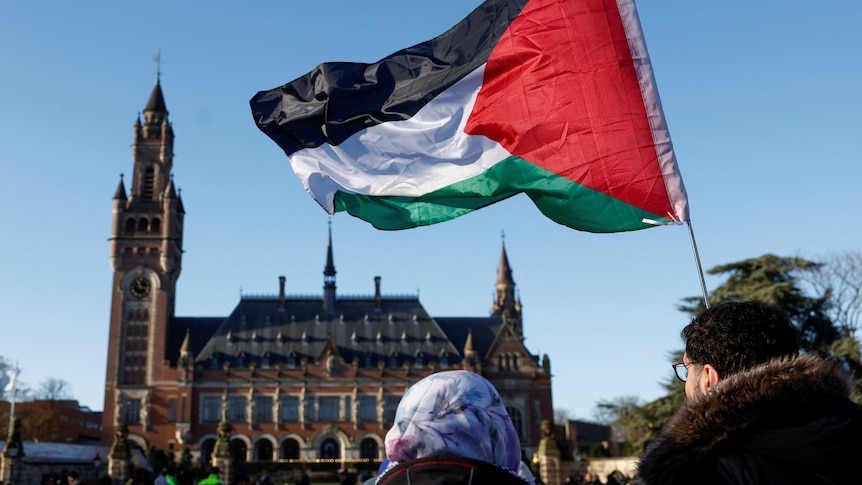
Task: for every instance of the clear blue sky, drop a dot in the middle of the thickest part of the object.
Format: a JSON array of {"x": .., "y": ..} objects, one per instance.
[{"x": 762, "y": 100}]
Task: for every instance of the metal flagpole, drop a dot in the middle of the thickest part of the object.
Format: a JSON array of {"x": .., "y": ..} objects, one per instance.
[
  {"x": 693, "y": 249},
  {"x": 697, "y": 263},
  {"x": 12, "y": 405}
]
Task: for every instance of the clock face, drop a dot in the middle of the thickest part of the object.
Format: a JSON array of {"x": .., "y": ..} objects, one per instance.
[{"x": 140, "y": 287}]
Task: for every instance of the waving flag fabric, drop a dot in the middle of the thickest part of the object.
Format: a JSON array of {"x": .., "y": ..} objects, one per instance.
[
  {"x": 552, "y": 98},
  {"x": 7, "y": 379}
]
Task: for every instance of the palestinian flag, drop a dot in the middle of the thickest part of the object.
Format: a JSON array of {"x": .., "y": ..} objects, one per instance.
[{"x": 553, "y": 98}]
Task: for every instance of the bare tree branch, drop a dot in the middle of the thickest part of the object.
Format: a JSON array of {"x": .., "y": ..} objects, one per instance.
[{"x": 840, "y": 276}]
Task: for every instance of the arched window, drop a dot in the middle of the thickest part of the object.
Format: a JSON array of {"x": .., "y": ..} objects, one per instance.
[
  {"x": 368, "y": 449},
  {"x": 329, "y": 449},
  {"x": 143, "y": 225},
  {"x": 130, "y": 225},
  {"x": 156, "y": 226},
  {"x": 238, "y": 450},
  {"x": 290, "y": 450},
  {"x": 263, "y": 450},
  {"x": 207, "y": 448},
  {"x": 148, "y": 189}
]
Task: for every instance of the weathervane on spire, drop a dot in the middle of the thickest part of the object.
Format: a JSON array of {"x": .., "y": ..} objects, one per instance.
[{"x": 158, "y": 59}]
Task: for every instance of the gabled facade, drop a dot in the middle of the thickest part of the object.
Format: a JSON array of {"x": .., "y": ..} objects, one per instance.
[{"x": 295, "y": 377}]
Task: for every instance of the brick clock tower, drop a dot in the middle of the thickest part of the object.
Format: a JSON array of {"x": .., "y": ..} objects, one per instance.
[{"x": 146, "y": 256}]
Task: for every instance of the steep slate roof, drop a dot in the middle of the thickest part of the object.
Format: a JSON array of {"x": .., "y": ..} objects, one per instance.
[
  {"x": 389, "y": 330},
  {"x": 201, "y": 329},
  {"x": 484, "y": 331},
  {"x": 260, "y": 331},
  {"x": 157, "y": 99}
]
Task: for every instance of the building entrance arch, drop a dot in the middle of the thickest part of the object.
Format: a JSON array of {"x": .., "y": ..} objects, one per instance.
[
  {"x": 238, "y": 450},
  {"x": 263, "y": 450},
  {"x": 290, "y": 449},
  {"x": 330, "y": 449}
]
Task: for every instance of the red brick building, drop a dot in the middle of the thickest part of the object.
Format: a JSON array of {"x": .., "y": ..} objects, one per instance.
[
  {"x": 296, "y": 377},
  {"x": 55, "y": 421}
]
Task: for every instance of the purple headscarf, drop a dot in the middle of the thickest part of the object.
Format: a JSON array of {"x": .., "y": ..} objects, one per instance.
[{"x": 458, "y": 413}]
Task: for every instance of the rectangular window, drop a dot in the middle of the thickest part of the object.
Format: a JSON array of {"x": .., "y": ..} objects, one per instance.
[
  {"x": 367, "y": 408},
  {"x": 327, "y": 408},
  {"x": 390, "y": 404},
  {"x": 347, "y": 408},
  {"x": 172, "y": 410},
  {"x": 263, "y": 409},
  {"x": 517, "y": 420},
  {"x": 309, "y": 409},
  {"x": 211, "y": 409},
  {"x": 237, "y": 409},
  {"x": 132, "y": 411},
  {"x": 289, "y": 409}
]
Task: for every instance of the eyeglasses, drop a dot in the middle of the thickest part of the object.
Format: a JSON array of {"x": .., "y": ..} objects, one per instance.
[{"x": 681, "y": 370}]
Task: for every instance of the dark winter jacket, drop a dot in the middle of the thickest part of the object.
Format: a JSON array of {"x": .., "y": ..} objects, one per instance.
[
  {"x": 787, "y": 422},
  {"x": 448, "y": 470}
]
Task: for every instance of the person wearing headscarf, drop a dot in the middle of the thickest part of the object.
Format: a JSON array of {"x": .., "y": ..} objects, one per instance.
[{"x": 452, "y": 424}]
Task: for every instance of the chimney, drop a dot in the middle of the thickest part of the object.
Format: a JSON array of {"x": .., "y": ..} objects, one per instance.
[
  {"x": 378, "y": 304},
  {"x": 281, "y": 280}
]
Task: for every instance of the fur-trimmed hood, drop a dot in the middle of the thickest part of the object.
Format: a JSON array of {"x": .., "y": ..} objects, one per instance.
[{"x": 781, "y": 411}]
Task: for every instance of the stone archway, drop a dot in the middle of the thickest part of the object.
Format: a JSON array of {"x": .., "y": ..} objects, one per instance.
[
  {"x": 206, "y": 446},
  {"x": 368, "y": 449},
  {"x": 289, "y": 449},
  {"x": 238, "y": 450},
  {"x": 263, "y": 450},
  {"x": 330, "y": 449}
]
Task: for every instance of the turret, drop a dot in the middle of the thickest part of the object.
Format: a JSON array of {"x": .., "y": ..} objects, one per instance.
[
  {"x": 505, "y": 301},
  {"x": 115, "y": 257}
]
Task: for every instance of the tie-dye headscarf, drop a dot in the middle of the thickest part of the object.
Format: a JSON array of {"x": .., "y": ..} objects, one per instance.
[{"x": 454, "y": 412}]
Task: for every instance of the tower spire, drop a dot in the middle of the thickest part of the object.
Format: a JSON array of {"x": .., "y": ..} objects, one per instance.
[
  {"x": 156, "y": 111},
  {"x": 505, "y": 300},
  {"x": 507, "y": 304},
  {"x": 329, "y": 275}
]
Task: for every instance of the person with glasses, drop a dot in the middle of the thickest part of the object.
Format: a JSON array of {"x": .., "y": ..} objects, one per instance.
[{"x": 756, "y": 411}]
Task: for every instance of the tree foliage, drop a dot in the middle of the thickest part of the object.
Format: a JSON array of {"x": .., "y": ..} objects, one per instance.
[
  {"x": 777, "y": 281},
  {"x": 636, "y": 423}
]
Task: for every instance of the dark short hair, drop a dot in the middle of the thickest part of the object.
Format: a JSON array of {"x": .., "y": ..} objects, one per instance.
[{"x": 736, "y": 336}]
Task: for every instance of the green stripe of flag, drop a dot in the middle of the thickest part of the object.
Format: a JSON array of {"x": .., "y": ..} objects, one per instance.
[{"x": 559, "y": 198}]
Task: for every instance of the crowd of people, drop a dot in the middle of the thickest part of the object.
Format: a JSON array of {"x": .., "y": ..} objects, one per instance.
[{"x": 756, "y": 412}]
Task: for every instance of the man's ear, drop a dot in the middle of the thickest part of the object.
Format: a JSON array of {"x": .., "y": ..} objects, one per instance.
[{"x": 709, "y": 378}]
